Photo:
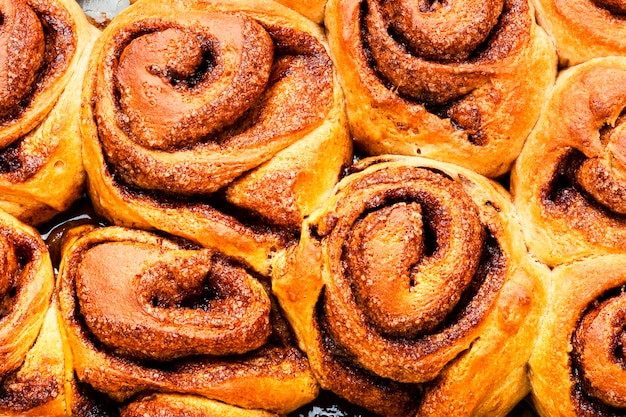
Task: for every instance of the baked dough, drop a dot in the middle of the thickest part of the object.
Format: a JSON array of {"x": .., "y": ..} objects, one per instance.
[{"x": 584, "y": 29}]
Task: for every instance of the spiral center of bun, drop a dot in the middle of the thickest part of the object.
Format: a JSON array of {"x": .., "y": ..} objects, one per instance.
[
  {"x": 604, "y": 176},
  {"x": 438, "y": 52},
  {"x": 407, "y": 265},
  {"x": 601, "y": 337},
  {"x": 179, "y": 85},
  {"x": 411, "y": 271},
  {"x": 446, "y": 30},
  {"x": 22, "y": 47},
  {"x": 148, "y": 304}
]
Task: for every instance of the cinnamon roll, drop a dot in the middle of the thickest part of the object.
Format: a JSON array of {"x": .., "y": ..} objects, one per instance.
[
  {"x": 577, "y": 366},
  {"x": 45, "y": 45},
  {"x": 452, "y": 81},
  {"x": 412, "y": 293},
  {"x": 569, "y": 181},
  {"x": 158, "y": 324},
  {"x": 31, "y": 352},
  {"x": 229, "y": 143},
  {"x": 584, "y": 29},
  {"x": 461, "y": 82}
]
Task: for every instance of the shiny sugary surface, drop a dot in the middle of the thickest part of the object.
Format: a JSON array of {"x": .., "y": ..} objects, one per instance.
[{"x": 327, "y": 404}]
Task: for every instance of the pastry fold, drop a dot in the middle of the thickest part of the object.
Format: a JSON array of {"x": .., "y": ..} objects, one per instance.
[
  {"x": 412, "y": 293},
  {"x": 459, "y": 82},
  {"x": 45, "y": 46},
  {"x": 218, "y": 121},
  {"x": 569, "y": 182},
  {"x": 311, "y": 9},
  {"x": 156, "y": 324},
  {"x": 31, "y": 353},
  {"x": 577, "y": 366},
  {"x": 584, "y": 29}
]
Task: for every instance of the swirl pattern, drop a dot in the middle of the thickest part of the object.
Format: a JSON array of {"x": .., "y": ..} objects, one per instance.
[
  {"x": 411, "y": 265},
  {"x": 44, "y": 46},
  {"x": 568, "y": 183},
  {"x": 208, "y": 143},
  {"x": 585, "y": 29},
  {"x": 31, "y": 355},
  {"x": 578, "y": 364},
  {"x": 460, "y": 82},
  {"x": 24, "y": 48},
  {"x": 144, "y": 314}
]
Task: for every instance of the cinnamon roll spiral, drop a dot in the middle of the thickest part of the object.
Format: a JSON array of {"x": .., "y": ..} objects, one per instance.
[
  {"x": 230, "y": 142},
  {"x": 146, "y": 315},
  {"x": 577, "y": 367},
  {"x": 569, "y": 182},
  {"x": 407, "y": 286},
  {"x": 462, "y": 82},
  {"x": 584, "y": 29},
  {"x": 31, "y": 352},
  {"x": 44, "y": 45}
]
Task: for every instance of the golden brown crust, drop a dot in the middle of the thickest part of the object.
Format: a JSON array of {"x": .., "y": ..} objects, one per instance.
[
  {"x": 568, "y": 183},
  {"x": 311, "y": 9},
  {"x": 393, "y": 234},
  {"x": 577, "y": 366},
  {"x": 584, "y": 29},
  {"x": 39, "y": 127},
  {"x": 474, "y": 111},
  {"x": 170, "y": 405},
  {"x": 270, "y": 155},
  {"x": 31, "y": 354},
  {"x": 171, "y": 293}
]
